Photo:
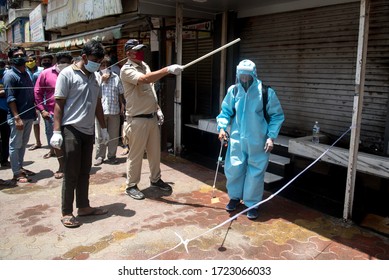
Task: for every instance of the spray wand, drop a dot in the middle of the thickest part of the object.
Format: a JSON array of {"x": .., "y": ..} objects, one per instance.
[{"x": 223, "y": 143}]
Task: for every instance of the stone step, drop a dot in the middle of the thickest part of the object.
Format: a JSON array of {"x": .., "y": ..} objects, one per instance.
[
  {"x": 272, "y": 178},
  {"x": 279, "y": 160}
]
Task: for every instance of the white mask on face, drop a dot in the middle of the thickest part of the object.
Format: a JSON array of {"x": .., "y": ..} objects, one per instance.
[
  {"x": 105, "y": 71},
  {"x": 92, "y": 66}
]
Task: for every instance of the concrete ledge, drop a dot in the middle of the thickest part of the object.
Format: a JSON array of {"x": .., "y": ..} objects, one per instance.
[
  {"x": 210, "y": 125},
  {"x": 282, "y": 140},
  {"x": 271, "y": 178},
  {"x": 279, "y": 160},
  {"x": 367, "y": 163}
]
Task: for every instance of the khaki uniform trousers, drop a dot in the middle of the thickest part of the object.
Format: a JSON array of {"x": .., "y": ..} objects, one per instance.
[{"x": 143, "y": 134}]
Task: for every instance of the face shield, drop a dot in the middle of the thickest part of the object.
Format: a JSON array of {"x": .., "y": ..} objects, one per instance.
[{"x": 246, "y": 72}]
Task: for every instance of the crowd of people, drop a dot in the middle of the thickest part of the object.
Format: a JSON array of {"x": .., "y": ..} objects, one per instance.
[{"x": 84, "y": 100}]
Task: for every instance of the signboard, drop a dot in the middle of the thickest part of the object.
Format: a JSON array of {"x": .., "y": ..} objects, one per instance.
[
  {"x": 36, "y": 25},
  {"x": 61, "y": 13},
  {"x": 10, "y": 35},
  {"x": 191, "y": 32},
  {"x": 27, "y": 34},
  {"x": 17, "y": 28}
]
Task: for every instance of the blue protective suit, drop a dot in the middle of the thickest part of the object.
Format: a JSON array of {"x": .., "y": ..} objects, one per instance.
[{"x": 246, "y": 160}]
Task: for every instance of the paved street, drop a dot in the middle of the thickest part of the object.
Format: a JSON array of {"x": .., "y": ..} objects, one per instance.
[{"x": 151, "y": 228}]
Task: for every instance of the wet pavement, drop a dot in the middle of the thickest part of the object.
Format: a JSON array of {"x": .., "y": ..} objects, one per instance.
[{"x": 152, "y": 228}]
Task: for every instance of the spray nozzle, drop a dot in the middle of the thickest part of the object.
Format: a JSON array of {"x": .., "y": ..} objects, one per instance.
[{"x": 225, "y": 140}]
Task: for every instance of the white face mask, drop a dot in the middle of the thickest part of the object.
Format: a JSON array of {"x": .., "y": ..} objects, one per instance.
[
  {"x": 92, "y": 66},
  {"x": 105, "y": 71},
  {"x": 60, "y": 67}
]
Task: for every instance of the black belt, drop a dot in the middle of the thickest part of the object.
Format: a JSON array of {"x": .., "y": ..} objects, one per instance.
[{"x": 146, "y": 116}]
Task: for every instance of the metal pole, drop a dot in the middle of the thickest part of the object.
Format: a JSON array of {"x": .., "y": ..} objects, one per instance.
[
  {"x": 211, "y": 53},
  {"x": 177, "y": 98},
  {"x": 223, "y": 60}
]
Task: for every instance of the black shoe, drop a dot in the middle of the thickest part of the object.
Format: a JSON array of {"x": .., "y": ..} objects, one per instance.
[
  {"x": 231, "y": 206},
  {"x": 162, "y": 185},
  {"x": 135, "y": 193},
  {"x": 252, "y": 214},
  {"x": 112, "y": 161}
]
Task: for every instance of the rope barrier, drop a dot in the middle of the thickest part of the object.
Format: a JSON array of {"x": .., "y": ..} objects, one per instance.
[{"x": 186, "y": 241}]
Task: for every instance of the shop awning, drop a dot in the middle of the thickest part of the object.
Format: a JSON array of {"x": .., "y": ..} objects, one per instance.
[
  {"x": 103, "y": 35},
  {"x": 31, "y": 45}
]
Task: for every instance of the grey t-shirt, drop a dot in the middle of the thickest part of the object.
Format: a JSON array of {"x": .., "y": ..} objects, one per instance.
[{"x": 81, "y": 93}]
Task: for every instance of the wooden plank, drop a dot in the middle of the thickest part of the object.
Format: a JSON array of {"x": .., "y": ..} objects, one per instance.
[
  {"x": 366, "y": 163},
  {"x": 358, "y": 106}
]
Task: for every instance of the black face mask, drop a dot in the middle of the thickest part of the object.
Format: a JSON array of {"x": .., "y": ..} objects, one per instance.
[
  {"x": 19, "y": 61},
  {"x": 46, "y": 65}
]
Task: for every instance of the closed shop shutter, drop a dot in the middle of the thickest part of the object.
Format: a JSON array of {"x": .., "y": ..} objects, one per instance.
[
  {"x": 309, "y": 58},
  {"x": 197, "y": 79}
]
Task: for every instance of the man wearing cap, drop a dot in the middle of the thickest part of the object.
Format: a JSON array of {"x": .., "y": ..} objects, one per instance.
[{"x": 142, "y": 130}]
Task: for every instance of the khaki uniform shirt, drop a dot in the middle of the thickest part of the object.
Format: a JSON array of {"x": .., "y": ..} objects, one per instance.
[{"x": 140, "y": 98}]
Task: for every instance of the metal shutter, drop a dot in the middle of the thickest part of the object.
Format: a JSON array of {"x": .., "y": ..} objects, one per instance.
[
  {"x": 197, "y": 79},
  {"x": 309, "y": 58}
]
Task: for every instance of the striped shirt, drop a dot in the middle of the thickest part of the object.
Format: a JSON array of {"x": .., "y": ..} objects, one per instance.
[{"x": 111, "y": 91}]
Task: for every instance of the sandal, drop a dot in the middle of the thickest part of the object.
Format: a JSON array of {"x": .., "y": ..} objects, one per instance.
[
  {"x": 124, "y": 152},
  {"x": 27, "y": 172},
  {"x": 34, "y": 147},
  {"x": 58, "y": 175},
  {"x": 49, "y": 155},
  {"x": 93, "y": 211},
  {"x": 21, "y": 178},
  {"x": 70, "y": 221}
]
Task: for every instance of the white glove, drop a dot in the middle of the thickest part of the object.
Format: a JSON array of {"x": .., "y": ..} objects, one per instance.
[
  {"x": 175, "y": 69},
  {"x": 104, "y": 136},
  {"x": 160, "y": 116},
  {"x": 56, "y": 140},
  {"x": 269, "y": 145}
]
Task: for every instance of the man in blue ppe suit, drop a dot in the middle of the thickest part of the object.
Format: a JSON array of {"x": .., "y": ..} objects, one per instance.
[{"x": 251, "y": 136}]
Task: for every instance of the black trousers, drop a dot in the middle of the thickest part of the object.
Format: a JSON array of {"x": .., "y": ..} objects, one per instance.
[
  {"x": 77, "y": 148},
  {"x": 5, "y": 131}
]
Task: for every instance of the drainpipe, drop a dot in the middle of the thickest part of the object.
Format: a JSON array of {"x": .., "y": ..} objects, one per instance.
[
  {"x": 357, "y": 108},
  {"x": 177, "y": 97}
]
